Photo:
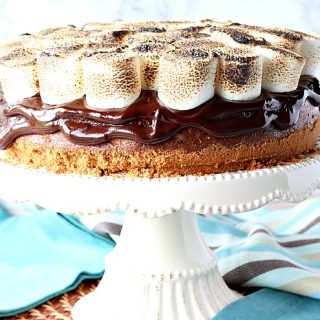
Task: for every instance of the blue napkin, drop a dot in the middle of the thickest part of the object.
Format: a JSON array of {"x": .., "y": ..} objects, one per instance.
[
  {"x": 269, "y": 304},
  {"x": 43, "y": 254}
]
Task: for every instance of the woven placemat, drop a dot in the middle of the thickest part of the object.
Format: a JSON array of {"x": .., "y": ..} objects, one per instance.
[{"x": 60, "y": 307}]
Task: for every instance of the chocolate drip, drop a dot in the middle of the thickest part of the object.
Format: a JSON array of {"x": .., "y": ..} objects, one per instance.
[{"x": 147, "y": 120}]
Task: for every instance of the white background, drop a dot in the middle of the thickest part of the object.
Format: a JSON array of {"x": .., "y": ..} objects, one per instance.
[{"x": 19, "y": 16}]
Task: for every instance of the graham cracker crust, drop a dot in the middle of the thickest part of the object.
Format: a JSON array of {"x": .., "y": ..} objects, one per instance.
[{"x": 191, "y": 152}]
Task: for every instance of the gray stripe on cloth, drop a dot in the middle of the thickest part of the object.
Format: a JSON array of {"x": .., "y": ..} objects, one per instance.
[
  {"x": 250, "y": 270},
  {"x": 299, "y": 243},
  {"x": 310, "y": 225},
  {"x": 106, "y": 228}
]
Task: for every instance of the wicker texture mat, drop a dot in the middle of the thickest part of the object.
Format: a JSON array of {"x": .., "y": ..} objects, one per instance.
[{"x": 60, "y": 307}]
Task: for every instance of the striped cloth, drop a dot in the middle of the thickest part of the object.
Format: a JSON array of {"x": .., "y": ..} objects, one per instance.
[{"x": 277, "y": 246}]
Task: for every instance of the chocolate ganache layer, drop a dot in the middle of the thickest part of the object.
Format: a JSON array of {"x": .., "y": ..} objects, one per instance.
[{"x": 148, "y": 121}]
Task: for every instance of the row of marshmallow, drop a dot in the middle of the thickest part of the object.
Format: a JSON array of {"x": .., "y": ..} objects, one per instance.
[{"x": 184, "y": 78}]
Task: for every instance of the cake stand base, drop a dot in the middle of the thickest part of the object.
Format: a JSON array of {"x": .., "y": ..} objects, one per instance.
[{"x": 160, "y": 269}]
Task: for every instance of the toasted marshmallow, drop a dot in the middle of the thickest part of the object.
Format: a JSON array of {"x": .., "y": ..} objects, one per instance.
[
  {"x": 97, "y": 26},
  {"x": 201, "y": 43},
  {"x": 104, "y": 46},
  {"x": 239, "y": 74},
  {"x": 25, "y": 41},
  {"x": 168, "y": 53},
  {"x": 106, "y": 37},
  {"x": 104, "y": 27},
  {"x": 111, "y": 80},
  {"x": 150, "y": 53},
  {"x": 174, "y": 25},
  {"x": 221, "y": 35},
  {"x": 51, "y": 32},
  {"x": 60, "y": 75},
  {"x": 146, "y": 27},
  {"x": 281, "y": 69},
  {"x": 140, "y": 37},
  {"x": 49, "y": 45},
  {"x": 18, "y": 74},
  {"x": 234, "y": 37},
  {"x": 310, "y": 50},
  {"x": 61, "y": 37},
  {"x": 214, "y": 23},
  {"x": 6, "y": 48},
  {"x": 186, "y": 78},
  {"x": 283, "y": 38}
]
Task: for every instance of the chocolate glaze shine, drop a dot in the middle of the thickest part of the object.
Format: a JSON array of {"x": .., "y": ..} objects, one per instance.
[{"x": 148, "y": 121}]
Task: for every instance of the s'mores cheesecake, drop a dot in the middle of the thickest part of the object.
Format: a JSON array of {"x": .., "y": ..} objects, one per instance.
[{"x": 158, "y": 99}]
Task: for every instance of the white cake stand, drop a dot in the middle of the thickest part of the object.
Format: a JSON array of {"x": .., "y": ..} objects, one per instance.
[{"x": 161, "y": 267}]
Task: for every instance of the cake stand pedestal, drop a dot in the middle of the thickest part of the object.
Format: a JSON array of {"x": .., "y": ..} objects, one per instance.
[{"x": 161, "y": 268}]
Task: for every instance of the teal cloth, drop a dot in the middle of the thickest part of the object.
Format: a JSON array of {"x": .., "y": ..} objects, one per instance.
[
  {"x": 270, "y": 304},
  {"x": 43, "y": 254}
]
